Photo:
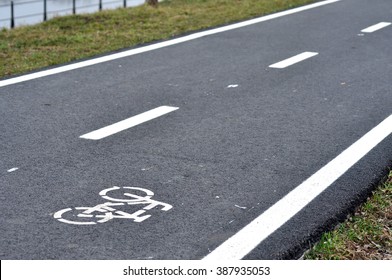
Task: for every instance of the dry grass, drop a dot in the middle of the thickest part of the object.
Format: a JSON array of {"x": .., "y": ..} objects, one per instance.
[{"x": 367, "y": 235}]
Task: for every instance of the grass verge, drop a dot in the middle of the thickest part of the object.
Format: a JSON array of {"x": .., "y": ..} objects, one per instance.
[
  {"x": 367, "y": 235},
  {"x": 69, "y": 38}
]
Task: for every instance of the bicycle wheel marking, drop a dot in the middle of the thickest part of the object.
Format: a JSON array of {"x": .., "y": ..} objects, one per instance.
[
  {"x": 136, "y": 199},
  {"x": 126, "y": 197}
]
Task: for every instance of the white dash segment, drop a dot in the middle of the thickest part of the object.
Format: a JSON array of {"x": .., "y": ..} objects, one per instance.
[
  {"x": 12, "y": 169},
  {"x": 243, "y": 242},
  {"x": 375, "y": 27},
  {"x": 293, "y": 60},
  {"x": 128, "y": 123}
]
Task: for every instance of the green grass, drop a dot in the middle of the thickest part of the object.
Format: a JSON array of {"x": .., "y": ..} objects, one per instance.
[
  {"x": 365, "y": 235},
  {"x": 69, "y": 38}
]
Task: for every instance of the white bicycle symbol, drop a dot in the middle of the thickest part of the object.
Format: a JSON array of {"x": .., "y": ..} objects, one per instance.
[{"x": 101, "y": 213}]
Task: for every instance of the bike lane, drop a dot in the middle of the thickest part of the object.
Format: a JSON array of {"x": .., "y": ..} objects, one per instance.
[{"x": 225, "y": 156}]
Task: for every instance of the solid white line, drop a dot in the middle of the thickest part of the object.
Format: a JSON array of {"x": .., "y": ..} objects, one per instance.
[
  {"x": 128, "y": 123},
  {"x": 293, "y": 60},
  {"x": 250, "y": 236},
  {"x": 376, "y": 27},
  {"x": 159, "y": 45}
]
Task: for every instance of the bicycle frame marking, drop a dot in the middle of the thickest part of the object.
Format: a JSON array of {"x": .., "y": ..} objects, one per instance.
[{"x": 107, "y": 211}]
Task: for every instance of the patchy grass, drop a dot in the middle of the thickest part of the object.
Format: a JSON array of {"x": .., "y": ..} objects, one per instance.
[
  {"x": 69, "y": 38},
  {"x": 367, "y": 235}
]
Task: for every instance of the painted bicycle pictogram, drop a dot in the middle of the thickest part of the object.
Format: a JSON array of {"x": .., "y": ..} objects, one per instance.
[{"x": 117, "y": 197}]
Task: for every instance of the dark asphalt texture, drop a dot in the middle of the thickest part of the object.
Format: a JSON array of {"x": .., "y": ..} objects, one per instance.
[{"x": 246, "y": 146}]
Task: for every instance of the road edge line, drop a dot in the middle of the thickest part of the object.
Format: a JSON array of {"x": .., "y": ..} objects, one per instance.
[{"x": 249, "y": 237}]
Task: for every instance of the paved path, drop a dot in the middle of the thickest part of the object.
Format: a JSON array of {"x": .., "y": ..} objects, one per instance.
[{"x": 246, "y": 143}]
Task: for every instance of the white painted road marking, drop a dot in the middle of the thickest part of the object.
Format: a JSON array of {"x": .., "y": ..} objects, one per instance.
[
  {"x": 293, "y": 60},
  {"x": 105, "y": 212},
  {"x": 376, "y": 27},
  {"x": 194, "y": 36},
  {"x": 243, "y": 242},
  {"x": 12, "y": 169},
  {"x": 128, "y": 123}
]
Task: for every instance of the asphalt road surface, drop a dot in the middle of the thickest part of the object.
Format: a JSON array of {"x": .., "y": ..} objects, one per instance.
[{"x": 246, "y": 142}]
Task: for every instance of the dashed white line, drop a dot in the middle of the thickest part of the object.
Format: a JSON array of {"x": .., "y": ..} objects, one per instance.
[
  {"x": 293, "y": 60},
  {"x": 12, "y": 169},
  {"x": 128, "y": 123},
  {"x": 160, "y": 45},
  {"x": 375, "y": 27},
  {"x": 243, "y": 242}
]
